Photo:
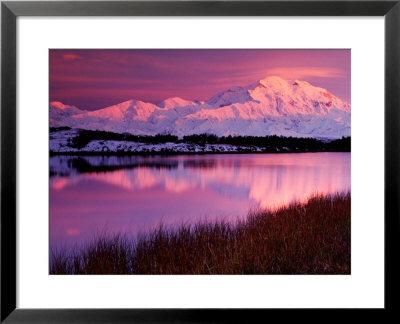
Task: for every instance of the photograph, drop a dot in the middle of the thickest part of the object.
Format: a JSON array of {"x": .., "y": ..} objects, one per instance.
[{"x": 199, "y": 161}]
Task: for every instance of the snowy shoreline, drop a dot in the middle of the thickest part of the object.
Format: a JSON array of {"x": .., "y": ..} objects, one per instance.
[{"x": 61, "y": 143}]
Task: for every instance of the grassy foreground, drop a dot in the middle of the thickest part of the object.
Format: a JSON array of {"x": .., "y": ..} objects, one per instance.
[{"x": 310, "y": 238}]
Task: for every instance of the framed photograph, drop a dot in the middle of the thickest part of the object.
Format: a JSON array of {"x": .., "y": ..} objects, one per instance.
[{"x": 198, "y": 161}]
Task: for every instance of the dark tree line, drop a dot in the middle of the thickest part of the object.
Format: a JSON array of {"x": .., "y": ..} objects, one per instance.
[
  {"x": 86, "y": 136},
  {"x": 268, "y": 143},
  {"x": 273, "y": 141}
]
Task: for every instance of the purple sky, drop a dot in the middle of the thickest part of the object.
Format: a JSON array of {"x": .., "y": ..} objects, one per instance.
[{"x": 94, "y": 79}]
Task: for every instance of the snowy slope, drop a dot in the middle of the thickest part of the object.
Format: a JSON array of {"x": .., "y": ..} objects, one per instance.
[
  {"x": 60, "y": 114},
  {"x": 177, "y": 102},
  {"x": 270, "y": 106}
]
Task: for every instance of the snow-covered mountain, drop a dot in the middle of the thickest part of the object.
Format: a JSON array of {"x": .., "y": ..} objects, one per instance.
[
  {"x": 60, "y": 113},
  {"x": 270, "y": 106}
]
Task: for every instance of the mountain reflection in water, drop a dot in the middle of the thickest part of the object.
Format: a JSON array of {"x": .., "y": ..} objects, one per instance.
[{"x": 136, "y": 194}]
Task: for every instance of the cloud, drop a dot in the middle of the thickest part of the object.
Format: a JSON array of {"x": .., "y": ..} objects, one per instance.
[
  {"x": 71, "y": 57},
  {"x": 302, "y": 72}
]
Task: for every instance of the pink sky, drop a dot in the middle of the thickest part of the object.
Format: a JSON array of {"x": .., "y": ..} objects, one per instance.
[{"x": 94, "y": 79}]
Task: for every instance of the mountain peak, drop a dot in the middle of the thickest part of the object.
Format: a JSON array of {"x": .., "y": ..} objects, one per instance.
[
  {"x": 277, "y": 82},
  {"x": 271, "y": 79},
  {"x": 175, "y": 102}
]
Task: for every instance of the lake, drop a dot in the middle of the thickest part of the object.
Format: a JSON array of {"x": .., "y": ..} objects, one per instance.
[{"x": 135, "y": 194}]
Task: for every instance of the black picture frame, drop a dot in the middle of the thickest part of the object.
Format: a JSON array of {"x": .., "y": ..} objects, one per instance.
[{"x": 10, "y": 10}]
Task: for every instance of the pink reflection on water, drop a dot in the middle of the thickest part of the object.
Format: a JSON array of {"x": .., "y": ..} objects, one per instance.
[{"x": 186, "y": 190}]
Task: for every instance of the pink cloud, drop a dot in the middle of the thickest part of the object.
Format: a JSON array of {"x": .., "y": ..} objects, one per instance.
[
  {"x": 71, "y": 57},
  {"x": 303, "y": 72}
]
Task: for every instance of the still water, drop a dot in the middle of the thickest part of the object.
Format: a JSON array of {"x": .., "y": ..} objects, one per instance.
[{"x": 136, "y": 194}]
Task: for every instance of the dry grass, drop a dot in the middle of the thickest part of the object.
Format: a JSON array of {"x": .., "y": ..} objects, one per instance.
[{"x": 310, "y": 238}]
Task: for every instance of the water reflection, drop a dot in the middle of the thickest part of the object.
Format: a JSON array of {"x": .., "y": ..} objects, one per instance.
[{"x": 137, "y": 193}]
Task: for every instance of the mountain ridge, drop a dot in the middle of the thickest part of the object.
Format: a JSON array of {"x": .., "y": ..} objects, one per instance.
[{"x": 270, "y": 106}]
